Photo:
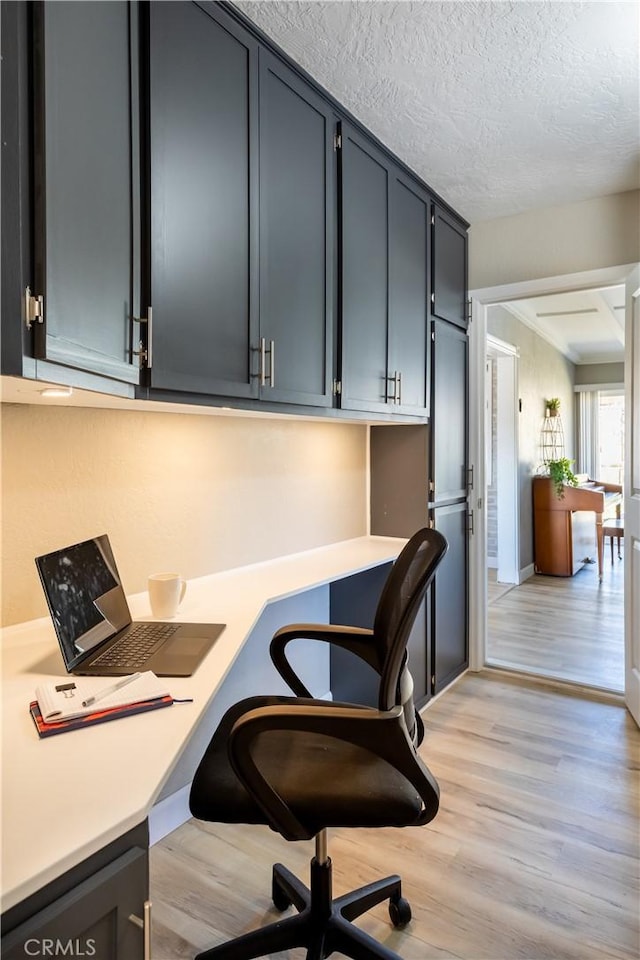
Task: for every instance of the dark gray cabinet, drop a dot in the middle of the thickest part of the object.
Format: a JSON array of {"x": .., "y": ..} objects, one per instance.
[
  {"x": 449, "y": 427},
  {"x": 449, "y": 607},
  {"x": 191, "y": 211},
  {"x": 297, "y": 227},
  {"x": 203, "y": 157},
  {"x": 98, "y": 909},
  {"x": 449, "y": 268},
  {"x": 384, "y": 272},
  {"x": 419, "y": 476},
  {"x": 242, "y": 213},
  {"x": 86, "y": 177}
]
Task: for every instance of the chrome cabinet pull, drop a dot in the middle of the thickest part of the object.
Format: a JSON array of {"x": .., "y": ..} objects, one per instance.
[
  {"x": 470, "y": 477},
  {"x": 399, "y": 391},
  {"x": 394, "y": 379},
  {"x": 263, "y": 361},
  {"x": 145, "y": 925}
]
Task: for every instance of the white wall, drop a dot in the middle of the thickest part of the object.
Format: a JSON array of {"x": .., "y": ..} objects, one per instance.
[
  {"x": 555, "y": 241},
  {"x": 196, "y": 494}
]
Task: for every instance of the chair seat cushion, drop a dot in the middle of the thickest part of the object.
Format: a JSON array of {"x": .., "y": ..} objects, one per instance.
[{"x": 326, "y": 782}]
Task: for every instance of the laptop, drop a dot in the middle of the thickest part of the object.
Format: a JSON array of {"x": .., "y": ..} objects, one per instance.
[{"x": 93, "y": 623}]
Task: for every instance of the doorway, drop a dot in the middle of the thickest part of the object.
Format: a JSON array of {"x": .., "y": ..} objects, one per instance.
[{"x": 480, "y": 556}]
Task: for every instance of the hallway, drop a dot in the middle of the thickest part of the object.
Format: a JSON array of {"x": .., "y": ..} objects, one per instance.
[{"x": 570, "y": 628}]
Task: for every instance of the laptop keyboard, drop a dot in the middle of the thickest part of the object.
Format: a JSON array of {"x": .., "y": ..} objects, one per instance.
[{"x": 136, "y": 647}]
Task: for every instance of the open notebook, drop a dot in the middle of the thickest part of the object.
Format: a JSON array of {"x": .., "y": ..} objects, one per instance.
[{"x": 65, "y": 699}]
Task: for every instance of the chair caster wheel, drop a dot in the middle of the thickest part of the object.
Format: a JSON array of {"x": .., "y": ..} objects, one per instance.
[
  {"x": 280, "y": 900},
  {"x": 400, "y": 912}
]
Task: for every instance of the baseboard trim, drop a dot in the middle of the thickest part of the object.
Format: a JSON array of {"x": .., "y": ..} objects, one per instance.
[
  {"x": 526, "y": 572},
  {"x": 169, "y": 814}
]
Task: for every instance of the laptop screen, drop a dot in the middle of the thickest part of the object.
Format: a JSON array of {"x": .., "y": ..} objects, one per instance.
[{"x": 85, "y": 597}]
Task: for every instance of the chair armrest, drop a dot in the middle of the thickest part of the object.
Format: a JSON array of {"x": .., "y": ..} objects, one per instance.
[
  {"x": 355, "y": 639},
  {"x": 381, "y": 733}
]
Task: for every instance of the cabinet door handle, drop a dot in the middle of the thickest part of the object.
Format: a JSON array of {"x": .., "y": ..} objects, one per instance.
[
  {"x": 470, "y": 528},
  {"x": 263, "y": 362},
  {"x": 399, "y": 390},
  {"x": 470, "y": 477},
  {"x": 145, "y": 925},
  {"x": 394, "y": 379}
]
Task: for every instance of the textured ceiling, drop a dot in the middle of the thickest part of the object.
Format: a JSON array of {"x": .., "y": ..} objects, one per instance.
[{"x": 500, "y": 106}]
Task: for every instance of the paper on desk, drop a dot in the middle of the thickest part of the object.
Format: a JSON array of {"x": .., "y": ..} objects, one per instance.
[{"x": 62, "y": 699}]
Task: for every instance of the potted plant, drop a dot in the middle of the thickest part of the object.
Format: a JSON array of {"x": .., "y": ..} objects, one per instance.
[
  {"x": 553, "y": 407},
  {"x": 560, "y": 472}
]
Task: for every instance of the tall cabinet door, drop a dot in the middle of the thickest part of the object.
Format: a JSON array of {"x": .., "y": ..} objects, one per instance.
[
  {"x": 86, "y": 238},
  {"x": 449, "y": 271},
  {"x": 449, "y": 432},
  {"x": 409, "y": 340},
  {"x": 448, "y": 501},
  {"x": 365, "y": 281},
  {"x": 203, "y": 123},
  {"x": 449, "y": 598},
  {"x": 297, "y": 223}
]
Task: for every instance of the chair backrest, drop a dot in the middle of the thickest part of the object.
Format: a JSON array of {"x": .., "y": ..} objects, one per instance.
[{"x": 399, "y": 603}]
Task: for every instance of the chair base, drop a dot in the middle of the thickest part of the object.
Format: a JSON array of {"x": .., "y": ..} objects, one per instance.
[{"x": 322, "y": 925}]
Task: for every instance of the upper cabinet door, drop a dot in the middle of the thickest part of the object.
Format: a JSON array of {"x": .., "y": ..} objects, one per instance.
[
  {"x": 449, "y": 275},
  {"x": 365, "y": 280},
  {"x": 385, "y": 265},
  {"x": 86, "y": 206},
  {"x": 409, "y": 340},
  {"x": 297, "y": 223},
  {"x": 203, "y": 123}
]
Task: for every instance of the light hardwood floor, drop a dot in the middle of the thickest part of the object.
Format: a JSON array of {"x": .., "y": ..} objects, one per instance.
[
  {"x": 571, "y": 628},
  {"x": 534, "y": 852}
]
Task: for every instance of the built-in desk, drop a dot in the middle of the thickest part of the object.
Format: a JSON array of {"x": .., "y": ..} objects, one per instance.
[{"x": 67, "y": 797}]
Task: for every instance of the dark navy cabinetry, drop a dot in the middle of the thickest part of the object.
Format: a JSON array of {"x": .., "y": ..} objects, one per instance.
[
  {"x": 384, "y": 272},
  {"x": 206, "y": 224},
  {"x": 297, "y": 236},
  {"x": 203, "y": 153},
  {"x": 71, "y": 178},
  {"x": 449, "y": 254}
]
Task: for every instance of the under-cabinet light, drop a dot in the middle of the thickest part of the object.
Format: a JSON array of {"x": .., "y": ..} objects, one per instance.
[{"x": 56, "y": 392}]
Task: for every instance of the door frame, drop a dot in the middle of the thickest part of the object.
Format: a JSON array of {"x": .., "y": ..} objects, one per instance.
[
  {"x": 481, "y": 299},
  {"x": 508, "y": 514},
  {"x": 632, "y": 496}
]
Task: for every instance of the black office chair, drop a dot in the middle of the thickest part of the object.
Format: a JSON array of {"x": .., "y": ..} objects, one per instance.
[{"x": 302, "y": 765}]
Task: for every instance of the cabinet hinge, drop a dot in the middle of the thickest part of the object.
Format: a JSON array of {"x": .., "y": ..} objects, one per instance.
[
  {"x": 469, "y": 310},
  {"x": 336, "y": 388},
  {"x": 33, "y": 309},
  {"x": 337, "y": 141},
  {"x": 144, "y": 353}
]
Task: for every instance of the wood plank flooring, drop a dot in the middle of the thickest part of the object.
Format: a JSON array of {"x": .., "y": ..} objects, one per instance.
[
  {"x": 534, "y": 852},
  {"x": 571, "y": 628}
]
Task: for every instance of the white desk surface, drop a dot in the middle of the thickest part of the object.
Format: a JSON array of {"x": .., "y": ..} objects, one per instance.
[{"x": 65, "y": 797}]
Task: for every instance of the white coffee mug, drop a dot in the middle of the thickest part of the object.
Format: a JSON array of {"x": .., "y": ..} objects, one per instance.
[{"x": 166, "y": 591}]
